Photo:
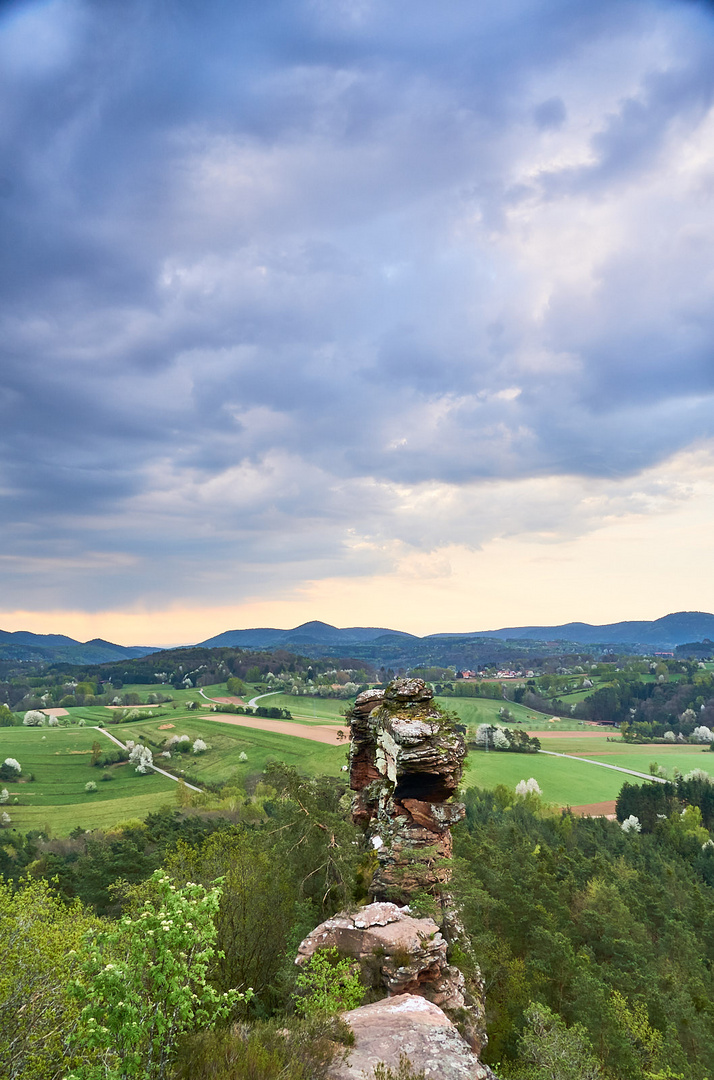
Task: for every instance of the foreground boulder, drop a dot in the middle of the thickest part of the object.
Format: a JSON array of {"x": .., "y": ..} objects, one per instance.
[
  {"x": 396, "y": 952},
  {"x": 412, "y": 1026}
]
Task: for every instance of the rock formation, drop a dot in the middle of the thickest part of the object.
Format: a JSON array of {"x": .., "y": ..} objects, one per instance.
[
  {"x": 412, "y": 1026},
  {"x": 396, "y": 952},
  {"x": 405, "y": 765}
]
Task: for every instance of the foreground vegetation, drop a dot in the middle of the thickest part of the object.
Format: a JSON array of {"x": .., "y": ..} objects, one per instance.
[{"x": 592, "y": 939}]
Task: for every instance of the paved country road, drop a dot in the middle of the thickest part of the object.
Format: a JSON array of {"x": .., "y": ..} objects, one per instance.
[
  {"x": 254, "y": 700},
  {"x": 604, "y": 765}
]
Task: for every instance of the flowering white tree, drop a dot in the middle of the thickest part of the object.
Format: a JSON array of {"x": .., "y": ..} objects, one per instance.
[
  {"x": 33, "y": 718},
  {"x": 242, "y": 756},
  {"x": 703, "y": 734},
  {"x": 669, "y": 736},
  {"x": 199, "y": 746},
  {"x": 90, "y": 786},
  {"x": 145, "y": 982},
  {"x": 142, "y": 758},
  {"x": 14, "y": 764},
  {"x": 700, "y": 774},
  {"x": 500, "y": 739},
  {"x": 4, "y": 795},
  {"x": 53, "y": 721},
  {"x": 5, "y": 818},
  {"x": 631, "y": 824},
  {"x": 528, "y": 787}
]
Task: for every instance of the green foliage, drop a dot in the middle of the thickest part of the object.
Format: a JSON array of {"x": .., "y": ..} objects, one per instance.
[
  {"x": 300, "y": 1050},
  {"x": 256, "y": 910},
  {"x": 39, "y": 941},
  {"x": 328, "y": 985},
  {"x": 549, "y": 1050},
  {"x": 566, "y": 910},
  {"x": 314, "y": 838},
  {"x": 145, "y": 982}
]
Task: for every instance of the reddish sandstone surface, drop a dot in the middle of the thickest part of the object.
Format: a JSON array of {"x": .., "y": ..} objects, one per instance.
[{"x": 409, "y": 1025}]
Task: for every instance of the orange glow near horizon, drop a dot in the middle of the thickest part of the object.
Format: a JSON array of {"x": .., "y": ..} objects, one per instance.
[{"x": 640, "y": 568}]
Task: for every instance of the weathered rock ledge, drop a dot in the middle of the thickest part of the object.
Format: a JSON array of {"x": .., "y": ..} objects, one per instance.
[
  {"x": 396, "y": 952},
  {"x": 411, "y": 1025}
]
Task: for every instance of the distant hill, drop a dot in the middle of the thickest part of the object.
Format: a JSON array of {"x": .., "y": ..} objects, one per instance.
[
  {"x": 392, "y": 648},
  {"x": 666, "y": 633},
  {"x": 669, "y": 631},
  {"x": 309, "y": 633},
  {"x": 58, "y": 648}
]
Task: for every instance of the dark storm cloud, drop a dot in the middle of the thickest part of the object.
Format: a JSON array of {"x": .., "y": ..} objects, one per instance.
[{"x": 265, "y": 265}]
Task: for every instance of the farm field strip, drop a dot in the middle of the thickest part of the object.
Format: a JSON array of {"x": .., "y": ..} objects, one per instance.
[
  {"x": 156, "y": 769},
  {"x": 322, "y": 733}
]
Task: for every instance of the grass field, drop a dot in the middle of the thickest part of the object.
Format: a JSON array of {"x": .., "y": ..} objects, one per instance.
[
  {"x": 475, "y": 711},
  {"x": 563, "y": 782},
  {"x": 222, "y": 761},
  {"x": 56, "y": 800},
  {"x": 327, "y": 710}
]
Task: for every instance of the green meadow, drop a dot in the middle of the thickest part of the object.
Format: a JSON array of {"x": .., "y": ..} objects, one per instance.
[
  {"x": 562, "y": 781},
  {"x": 325, "y": 710},
  {"x": 227, "y": 742},
  {"x": 56, "y": 800},
  {"x": 475, "y": 711}
]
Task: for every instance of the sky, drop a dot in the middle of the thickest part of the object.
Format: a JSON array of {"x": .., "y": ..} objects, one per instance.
[{"x": 379, "y": 312}]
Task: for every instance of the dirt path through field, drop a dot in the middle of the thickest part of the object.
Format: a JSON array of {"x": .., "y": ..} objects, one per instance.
[{"x": 321, "y": 734}]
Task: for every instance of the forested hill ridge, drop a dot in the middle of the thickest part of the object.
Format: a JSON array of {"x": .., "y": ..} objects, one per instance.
[
  {"x": 382, "y": 645},
  {"x": 23, "y": 645},
  {"x": 392, "y": 648}
]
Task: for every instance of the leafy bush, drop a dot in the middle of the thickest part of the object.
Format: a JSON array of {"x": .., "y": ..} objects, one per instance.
[
  {"x": 329, "y": 985},
  {"x": 299, "y": 1051},
  {"x": 145, "y": 981}
]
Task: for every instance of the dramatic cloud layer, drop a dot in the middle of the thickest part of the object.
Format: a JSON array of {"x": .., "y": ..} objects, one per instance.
[{"x": 305, "y": 290}]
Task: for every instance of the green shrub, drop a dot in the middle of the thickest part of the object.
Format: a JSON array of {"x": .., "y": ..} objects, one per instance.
[
  {"x": 265, "y": 1051},
  {"x": 329, "y": 985}
]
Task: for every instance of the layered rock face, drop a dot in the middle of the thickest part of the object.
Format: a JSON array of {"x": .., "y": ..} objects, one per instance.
[
  {"x": 405, "y": 765},
  {"x": 396, "y": 952}
]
